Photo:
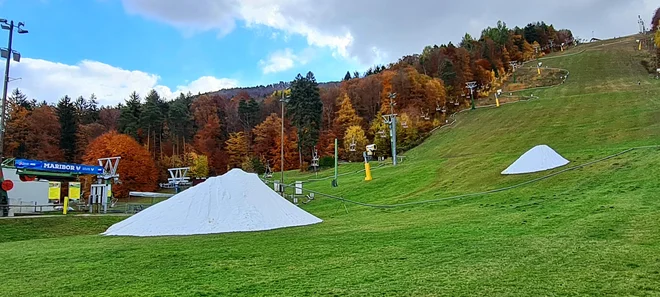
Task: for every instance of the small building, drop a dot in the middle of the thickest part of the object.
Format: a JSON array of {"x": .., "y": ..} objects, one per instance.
[{"x": 28, "y": 193}]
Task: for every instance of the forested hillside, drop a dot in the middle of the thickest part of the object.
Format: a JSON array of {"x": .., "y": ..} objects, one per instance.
[{"x": 241, "y": 127}]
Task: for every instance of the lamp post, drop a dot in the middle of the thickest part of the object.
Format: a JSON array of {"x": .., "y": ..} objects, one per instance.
[
  {"x": 17, "y": 57},
  {"x": 471, "y": 85},
  {"x": 282, "y": 101}
]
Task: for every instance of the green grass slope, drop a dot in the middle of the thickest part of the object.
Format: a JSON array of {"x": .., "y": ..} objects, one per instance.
[{"x": 590, "y": 231}]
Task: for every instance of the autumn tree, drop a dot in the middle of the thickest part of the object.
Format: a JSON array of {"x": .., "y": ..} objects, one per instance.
[
  {"x": 355, "y": 142},
  {"x": 346, "y": 116},
  {"x": 329, "y": 99},
  {"x": 305, "y": 109},
  {"x": 291, "y": 156},
  {"x": 137, "y": 170},
  {"x": 199, "y": 165},
  {"x": 381, "y": 132},
  {"x": 16, "y": 127},
  {"x": 208, "y": 139},
  {"x": 265, "y": 138},
  {"x": 66, "y": 113},
  {"x": 44, "y": 134},
  {"x": 85, "y": 135},
  {"x": 237, "y": 149},
  {"x": 109, "y": 117}
]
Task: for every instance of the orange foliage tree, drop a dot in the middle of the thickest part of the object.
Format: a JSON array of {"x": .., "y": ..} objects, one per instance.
[
  {"x": 137, "y": 170},
  {"x": 237, "y": 149},
  {"x": 346, "y": 116},
  {"x": 44, "y": 135}
]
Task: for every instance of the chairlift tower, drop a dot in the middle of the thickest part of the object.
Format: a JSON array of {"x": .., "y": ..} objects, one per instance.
[
  {"x": 390, "y": 119},
  {"x": 315, "y": 159},
  {"x": 471, "y": 85},
  {"x": 514, "y": 66},
  {"x": 642, "y": 26},
  {"x": 103, "y": 187},
  {"x": 178, "y": 178}
]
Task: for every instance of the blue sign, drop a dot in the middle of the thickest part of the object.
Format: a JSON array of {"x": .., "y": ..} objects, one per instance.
[{"x": 57, "y": 167}]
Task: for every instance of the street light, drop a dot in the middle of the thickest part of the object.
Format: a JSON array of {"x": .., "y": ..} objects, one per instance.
[
  {"x": 283, "y": 100},
  {"x": 17, "y": 57}
]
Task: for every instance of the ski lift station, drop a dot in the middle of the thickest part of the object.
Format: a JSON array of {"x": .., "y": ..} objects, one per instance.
[{"x": 33, "y": 186}]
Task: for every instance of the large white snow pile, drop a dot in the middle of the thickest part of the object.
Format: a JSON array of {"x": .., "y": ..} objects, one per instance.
[
  {"x": 539, "y": 158},
  {"x": 234, "y": 202}
]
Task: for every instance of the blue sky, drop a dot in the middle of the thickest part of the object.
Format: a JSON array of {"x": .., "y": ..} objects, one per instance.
[
  {"x": 70, "y": 31},
  {"x": 114, "y": 47}
]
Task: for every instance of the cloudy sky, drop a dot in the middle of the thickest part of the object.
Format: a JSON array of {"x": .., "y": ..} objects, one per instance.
[{"x": 113, "y": 47}]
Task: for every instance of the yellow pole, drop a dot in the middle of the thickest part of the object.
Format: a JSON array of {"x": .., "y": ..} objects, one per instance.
[
  {"x": 367, "y": 170},
  {"x": 497, "y": 101},
  {"x": 65, "y": 209},
  {"x": 539, "y": 70},
  {"x": 640, "y": 45}
]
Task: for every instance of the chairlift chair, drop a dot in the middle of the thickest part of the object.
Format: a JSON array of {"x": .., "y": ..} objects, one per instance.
[
  {"x": 352, "y": 146},
  {"x": 404, "y": 125},
  {"x": 382, "y": 134},
  {"x": 269, "y": 172}
]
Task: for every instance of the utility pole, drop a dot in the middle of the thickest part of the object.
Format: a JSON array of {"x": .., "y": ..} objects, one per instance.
[
  {"x": 282, "y": 102},
  {"x": 472, "y": 85},
  {"x": 390, "y": 119},
  {"x": 17, "y": 57}
]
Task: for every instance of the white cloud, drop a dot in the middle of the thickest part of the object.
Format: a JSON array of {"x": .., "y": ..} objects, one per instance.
[
  {"x": 46, "y": 80},
  {"x": 278, "y": 61},
  {"x": 388, "y": 29},
  {"x": 284, "y": 60}
]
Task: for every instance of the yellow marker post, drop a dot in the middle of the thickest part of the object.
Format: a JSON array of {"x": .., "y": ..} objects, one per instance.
[
  {"x": 539, "y": 70},
  {"x": 497, "y": 101},
  {"x": 640, "y": 45},
  {"x": 367, "y": 170},
  {"x": 65, "y": 209}
]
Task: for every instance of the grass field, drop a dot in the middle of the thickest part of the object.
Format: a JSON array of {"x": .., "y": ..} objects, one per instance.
[{"x": 590, "y": 231}]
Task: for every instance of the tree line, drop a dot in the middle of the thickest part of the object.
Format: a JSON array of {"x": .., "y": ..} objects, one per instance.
[{"x": 214, "y": 132}]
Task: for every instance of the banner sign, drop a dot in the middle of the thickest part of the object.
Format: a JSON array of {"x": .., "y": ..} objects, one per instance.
[
  {"x": 74, "y": 190},
  {"x": 54, "y": 190},
  {"x": 57, "y": 167}
]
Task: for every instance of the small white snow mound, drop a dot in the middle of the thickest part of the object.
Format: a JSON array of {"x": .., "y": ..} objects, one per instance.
[
  {"x": 234, "y": 202},
  {"x": 539, "y": 158}
]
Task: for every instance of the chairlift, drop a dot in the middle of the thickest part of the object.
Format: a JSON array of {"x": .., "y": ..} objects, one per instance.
[
  {"x": 269, "y": 172},
  {"x": 456, "y": 103},
  {"x": 404, "y": 124},
  {"x": 382, "y": 134},
  {"x": 425, "y": 114},
  {"x": 315, "y": 158},
  {"x": 352, "y": 146}
]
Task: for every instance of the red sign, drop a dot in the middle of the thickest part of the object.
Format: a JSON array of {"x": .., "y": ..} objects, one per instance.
[{"x": 7, "y": 185}]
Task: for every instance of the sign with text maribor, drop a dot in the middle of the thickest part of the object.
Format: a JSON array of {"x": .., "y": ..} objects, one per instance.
[{"x": 37, "y": 165}]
